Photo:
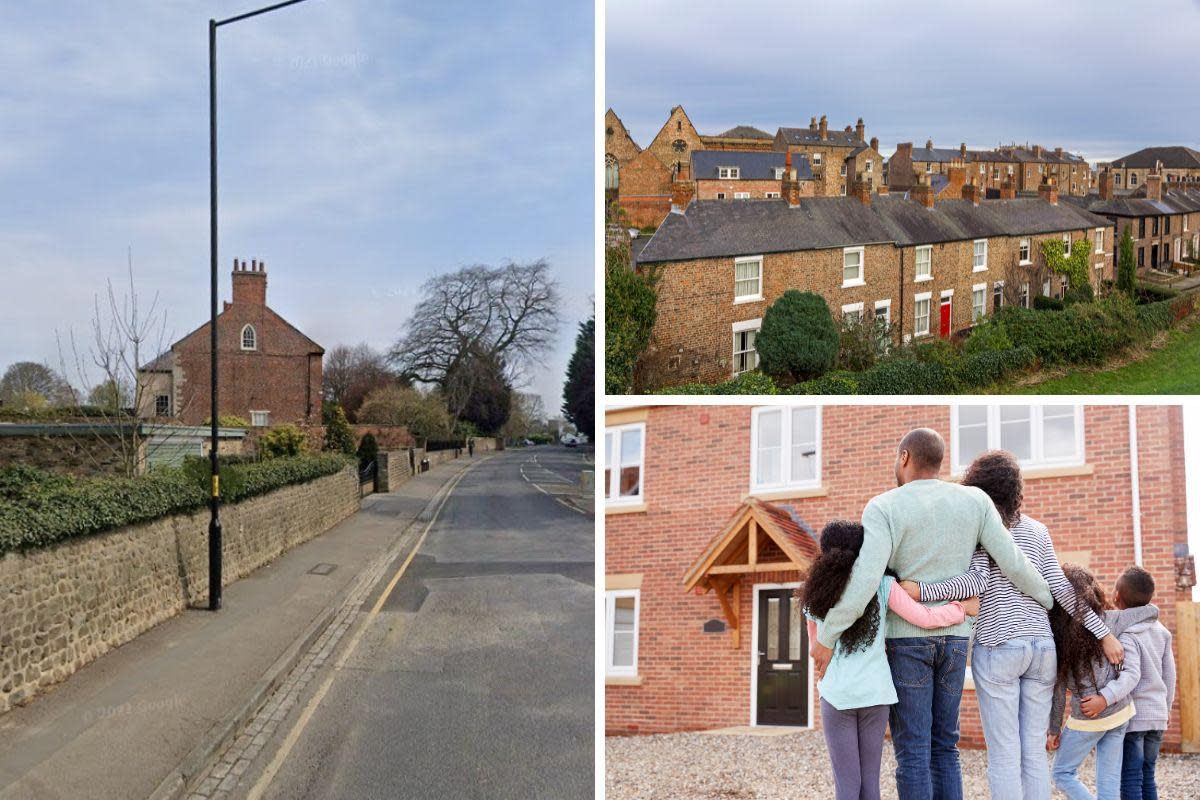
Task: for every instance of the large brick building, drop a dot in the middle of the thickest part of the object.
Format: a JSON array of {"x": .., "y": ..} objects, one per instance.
[
  {"x": 837, "y": 158},
  {"x": 1025, "y": 168},
  {"x": 711, "y": 513},
  {"x": 270, "y": 372},
  {"x": 919, "y": 266},
  {"x": 1175, "y": 163}
]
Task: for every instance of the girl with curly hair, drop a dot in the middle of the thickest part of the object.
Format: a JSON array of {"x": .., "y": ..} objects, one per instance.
[{"x": 857, "y": 690}]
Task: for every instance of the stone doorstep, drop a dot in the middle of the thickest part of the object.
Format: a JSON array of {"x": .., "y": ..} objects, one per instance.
[{"x": 757, "y": 730}]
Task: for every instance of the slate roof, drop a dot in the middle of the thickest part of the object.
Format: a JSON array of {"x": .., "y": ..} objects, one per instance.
[
  {"x": 809, "y": 136},
  {"x": 164, "y": 362},
  {"x": 744, "y": 132},
  {"x": 1147, "y": 157},
  {"x": 754, "y": 164},
  {"x": 939, "y": 155},
  {"x": 1174, "y": 201},
  {"x": 1027, "y": 156},
  {"x": 717, "y": 229}
]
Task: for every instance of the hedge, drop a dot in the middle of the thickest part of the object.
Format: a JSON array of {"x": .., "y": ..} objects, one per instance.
[
  {"x": 38, "y": 508},
  {"x": 746, "y": 383},
  {"x": 1084, "y": 333}
]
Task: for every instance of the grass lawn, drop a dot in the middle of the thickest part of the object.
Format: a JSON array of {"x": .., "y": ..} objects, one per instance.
[{"x": 1171, "y": 369}]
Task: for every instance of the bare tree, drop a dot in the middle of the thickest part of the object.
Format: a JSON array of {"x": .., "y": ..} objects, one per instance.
[
  {"x": 27, "y": 384},
  {"x": 351, "y": 373},
  {"x": 497, "y": 315}
]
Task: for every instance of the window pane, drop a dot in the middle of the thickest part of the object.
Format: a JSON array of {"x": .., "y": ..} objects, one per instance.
[
  {"x": 631, "y": 468},
  {"x": 1016, "y": 431},
  {"x": 624, "y": 610},
  {"x": 795, "y": 629},
  {"x": 609, "y": 455},
  {"x": 804, "y": 444},
  {"x": 1058, "y": 432},
  {"x": 972, "y": 432},
  {"x": 770, "y": 447},
  {"x": 773, "y": 628}
]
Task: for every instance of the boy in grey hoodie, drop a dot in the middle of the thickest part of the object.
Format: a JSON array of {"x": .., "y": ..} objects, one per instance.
[{"x": 1136, "y": 617}]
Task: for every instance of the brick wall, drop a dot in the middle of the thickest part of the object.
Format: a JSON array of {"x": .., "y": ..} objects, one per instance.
[
  {"x": 66, "y": 605},
  {"x": 694, "y": 680},
  {"x": 708, "y": 189}
]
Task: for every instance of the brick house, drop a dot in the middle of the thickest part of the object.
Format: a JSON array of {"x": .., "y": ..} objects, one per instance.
[
  {"x": 1163, "y": 221},
  {"x": 1025, "y": 168},
  {"x": 619, "y": 149},
  {"x": 270, "y": 372},
  {"x": 1177, "y": 164},
  {"x": 739, "y": 137},
  {"x": 836, "y": 157},
  {"x": 711, "y": 514},
  {"x": 919, "y": 266},
  {"x": 747, "y": 175}
]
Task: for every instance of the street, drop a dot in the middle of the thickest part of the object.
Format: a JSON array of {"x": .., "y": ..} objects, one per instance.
[{"x": 471, "y": 673}]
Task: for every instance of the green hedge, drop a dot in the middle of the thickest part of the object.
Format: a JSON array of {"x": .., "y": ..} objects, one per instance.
[
  {"x": 746, "y": 383},
  {"x": 38, "y": 508},
  {"x": 1084, "y": 333}
]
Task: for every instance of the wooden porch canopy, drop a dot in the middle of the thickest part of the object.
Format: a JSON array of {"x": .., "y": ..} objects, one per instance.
[{"x": 760, "y": 537}]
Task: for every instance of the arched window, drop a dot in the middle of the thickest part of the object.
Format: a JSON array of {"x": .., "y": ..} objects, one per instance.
[
  {"x": 249, "y": 338},
  {"x": 611, "y": 171}
]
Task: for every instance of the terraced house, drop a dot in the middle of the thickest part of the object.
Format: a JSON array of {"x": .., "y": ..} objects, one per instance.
[
  {"x": 836, "y": 157},
  {"x": 919, "y": 267},
  {"x": 747, "y": 175},
  {"x": 1010, "y": 168},
  {"x": 702, "y": 628},
  {"x": 1176, "y": 164}
]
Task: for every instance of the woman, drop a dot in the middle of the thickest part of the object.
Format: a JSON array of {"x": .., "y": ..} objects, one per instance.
[{"x": 1013, "y": 660}]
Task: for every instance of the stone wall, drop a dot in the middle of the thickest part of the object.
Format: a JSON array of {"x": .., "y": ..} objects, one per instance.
[
  {"x": 84, "y": 453},
  {"x": 395, "y": 467},
  {"x": 64, "y": 606}
]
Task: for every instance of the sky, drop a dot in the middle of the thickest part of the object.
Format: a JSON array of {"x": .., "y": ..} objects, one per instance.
[
  {"x": 1101, "y": 78},
  {"x": 364, "y": 147}
]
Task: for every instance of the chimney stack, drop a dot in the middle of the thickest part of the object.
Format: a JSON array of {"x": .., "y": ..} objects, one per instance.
[
  {"x": 789, "y": 189},
  {"x": 860, "y": 190},
  {"x": 1037, "y": 151},
  {"x": 823, "y": 128},
  {"x": 250, "y": 283},
  {"x": 956, "y": 177},
  {"x": 859, "y": 129},
  {"x": 875, "y": 143},
  {"x": 1008, "y": 189},
  {"x": 1106, "y": 184},
  {"x": 812, "y": 124},
  {"x": 1048, "y": 191},
  {"x": 962, "y": 150},
  {"x": 682, "y": 188},
  {"x": 922, "y": 192},
  {"x": 1058, "y": 152},
  {"x": 970, "y": 192},
  {"x": 929, "y": 144},
  {"x": 1154, "y": 185}
]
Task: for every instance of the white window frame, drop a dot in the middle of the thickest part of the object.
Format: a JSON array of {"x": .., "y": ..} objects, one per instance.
[
  {"x": 779, "y": 173},
  {"x": 851, "y": 308},
  {"x": 862, "y": 267},
  {"x": 927, "y": 297},
  {"x": 975, "y": 267},
  {"x": 977, "y": 290},
  {"x": 741, "y": 195},
  {"x": 741, "y": 327},
  {"x": 928, "y": 276},
  {"x": 610, "y": 607},
  {"x": 253, "y": 337},
  {"x": 260, "y": 419},
  {"x": 816, "y": 159},
  {"x": 997, "y": 285},
  {"x": 748, "y": 298},
  {"x": 614, "y": 470},
  {"x": 729, "y": 173},
  {"x": 785, "y": 464},
  {"x": 1037, "y": 460},
  {"x": 754, "y": 623},
  {"x": 1026, "y": 244},
  {"x": 1026, "y": 296},
  {"x": 771, "y": 195},
  {"x": 870, "y": 167},
  {"x": 1098, "y": 240},
  {"x": 720, "y": 195},
  {"x": 1067, "y": 245},
  {"x": 886, "y": 305}
]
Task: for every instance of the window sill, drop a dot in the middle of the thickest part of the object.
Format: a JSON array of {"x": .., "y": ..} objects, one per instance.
[
  {"x": 850, "y": 284},
  {"x": 1024, "y": 263},
  {"x": 794, "y": 493},
  {"x": 622, "y": 680},
  {"x": 978, "y": 269},
  {"x": 922, "y": 278},
  {"x": 624, "y": 508},
  {"x": 737, "y": 301},
  {"x": 1037, "y": 473}
]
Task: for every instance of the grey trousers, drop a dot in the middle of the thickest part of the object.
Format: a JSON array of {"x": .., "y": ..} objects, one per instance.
[{"x": 855, "y": 741}]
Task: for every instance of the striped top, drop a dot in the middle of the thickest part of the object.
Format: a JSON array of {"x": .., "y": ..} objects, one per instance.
[{"x": 1004, "y": 611}]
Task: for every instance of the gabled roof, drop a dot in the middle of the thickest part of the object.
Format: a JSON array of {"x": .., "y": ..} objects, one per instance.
[
  {"x": 1174, "y": 201},
  {"x": 752, "y": 164},
  {"x": 744, "y": 132},
  {"x": 1176, "y": 156},
  {"x": 809, "y": 136},
  {"x": 939, "y": 155},
  {"x": 729, "y": 552},
  {"x": 717, "y": 229}
]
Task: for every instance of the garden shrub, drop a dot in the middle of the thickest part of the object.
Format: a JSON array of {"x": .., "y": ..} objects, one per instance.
[
  {"x": 1045, "y": 303},
  {"x": 1154, "y": 317},
  {"x": 1081, "y": 334},
  {"x": 903, "y": 376},
  {"x": 840, "y": 382},
  {"x": 860, "y": 344},
  {"x": 985, "y": 367},
  {"x": 368, "y": 450},
  {"x": 798, "y": 338},
  {"x": 1126, "y": 267},
  {"x": 746, "y": 383},
  {"x": 987, "y": 335},
  {"x": 241, "y": 480},
  {"x": 282, "y": 441},
  {"x": 1152, "y": 293},
  {"x": 630, "y": 309},
  {"x": 339, "y": 437}
]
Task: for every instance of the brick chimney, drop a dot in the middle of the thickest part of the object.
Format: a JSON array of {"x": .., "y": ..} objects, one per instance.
[
  {"x": 812, "y": 124},
  {"x": 962, "y": 149},
  {"x": 1008, "y": 189},
  {"x": 823, "y": 128},
  {"x": 971, "y": 192},
  {"x": 682, "y": 188},
  {"x": 859, "y": 129},
  {"x": 1048, "y": 191},
  {"x": 1058, "y": 152},
  {"x": 789, "y": 189},
  {"x": 956, "y": 177},
  {"x": 1154, "y": 185},
  {"x": 875, "y": 143},
  {"x": 1037, "y": 151},
  {"x": 250, "y": 283},
  {"x": 860, "y": 190},
  {"x": 1106, "y": 184},
  {"x": 904, "y": 147},
  {"x": 929, "y": 144},
  {"x": 922, "y": 192}
]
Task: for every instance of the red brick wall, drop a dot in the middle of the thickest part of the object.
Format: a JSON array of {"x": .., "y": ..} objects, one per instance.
[
  {"x": 708, "y": 189},
  {"x": 698, "y": 471}
]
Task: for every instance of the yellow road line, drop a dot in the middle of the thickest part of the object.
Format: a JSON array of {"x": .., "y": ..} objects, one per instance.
[{"x": 293, "y": 736}]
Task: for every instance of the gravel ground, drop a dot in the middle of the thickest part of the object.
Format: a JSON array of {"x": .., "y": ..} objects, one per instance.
[{"x": 684, "y": 766}]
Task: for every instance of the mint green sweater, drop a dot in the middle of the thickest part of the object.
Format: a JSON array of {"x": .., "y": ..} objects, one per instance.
[{"x": 926, "y": 531}]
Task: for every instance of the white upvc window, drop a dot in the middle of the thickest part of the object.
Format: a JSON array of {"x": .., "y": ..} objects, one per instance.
[
  {"x": 929, "y": 168},
  {"x": 1098, "y": 239},
  {"x": 883, "y": 312},
  {"x": 1185, "y": 223},
  {"x": 1025, "y": 295},
  {"x": 843, "y": 172},
  {"x": 260, "y": 419},
  {"x": 771, "y": 195},
  {"x": 747, "y": 279},
  {"x": 870, "y": 167},
  {"x": 978, "y": 301},
  {"x": 997, "y": 295},
  {"x": 741, "y": 195},
  {"x": 1117, "y": 179},
  {"x": 1024, "y": 254},
  {"x": 745, "y": 356},
  {"x": 921, "y": 313},
  {"x": 249, "y": 338},
  {"x": 1010, "y": 169},
  {"x": 720, "y": 195},
  {"x": 1037, "y": 435},
  {"x": 852, "y": 266},
  {"x": 924, "y": 268},
  {"x": 621, "y": 609},
  {"x": 729, "y": 173},
  {"x": 779, "y": 173},
  {"x": 785, "y": 447},
  {"x": 816, "y": 159},
  {"x": 852, "y": 312},
  {"x": 980, "y": 255},
  {"x": 624, "y": 460},
  {"x": 1067, "y": 245}
]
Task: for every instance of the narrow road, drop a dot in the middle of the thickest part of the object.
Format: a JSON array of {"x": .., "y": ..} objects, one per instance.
[{"x": 475, "y": 678}]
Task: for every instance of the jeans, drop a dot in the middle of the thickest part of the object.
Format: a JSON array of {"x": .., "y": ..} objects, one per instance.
[
  {"x": 928, "y": 673},
  {"x": 1074, "y": 747},
  {"x": 1014, "y": 683},
  {"x": 854, "y": 738},
  {"x": 1137, "y": 765}
]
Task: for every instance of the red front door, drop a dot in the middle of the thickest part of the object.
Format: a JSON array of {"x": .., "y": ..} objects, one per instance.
[{"x": 944, "y": 330}]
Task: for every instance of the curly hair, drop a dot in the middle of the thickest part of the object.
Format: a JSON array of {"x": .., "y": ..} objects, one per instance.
[
  {"x": 827, "y": 579},
  {"x": 1079, "y": 651},
  {"x": 998, "y": 474}
]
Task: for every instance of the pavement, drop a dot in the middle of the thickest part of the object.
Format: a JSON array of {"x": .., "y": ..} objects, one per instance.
[
  {"x": 125, "y": 725},
  {"x": 466, "y": 671}
]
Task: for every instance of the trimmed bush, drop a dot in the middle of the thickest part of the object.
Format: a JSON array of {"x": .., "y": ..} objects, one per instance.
[
  {"x": 339, "y": 438},
  {"x": 798, "y": 338},
  {"x": 282, "y": 441},
  {"x": 840, "y": 382},
  {"x": 746, "y": 383},
  {"x": 1044, "y": 303},
  {"x": 983, "y": 368},
  {"x": 368, "y": 450},
  {"x": 902, "y": 376},
  {"x": 1085, "y": 333},
  {"x": 630, "y": 310}
]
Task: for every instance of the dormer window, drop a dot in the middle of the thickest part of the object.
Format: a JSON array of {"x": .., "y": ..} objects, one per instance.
[
  {"x": 249, "y": 338},
  {"x": 779, "y": 173},
  {"x": 729, "y": 173}
]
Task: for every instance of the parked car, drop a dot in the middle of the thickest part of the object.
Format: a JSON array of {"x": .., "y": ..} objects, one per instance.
[{"x": 570, "y": 439}]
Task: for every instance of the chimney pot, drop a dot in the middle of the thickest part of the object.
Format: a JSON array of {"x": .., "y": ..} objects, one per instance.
[
  {"x": 1048, "y": 191},
  {"x": 823, "y": 126},
  {"x": 812, "y": 124},
  {"x": 962, "y": 149},
  {"x": 875, "y": 143},
  {"x": 929, "y": 144},
  {"x": 923, "y": 194}
]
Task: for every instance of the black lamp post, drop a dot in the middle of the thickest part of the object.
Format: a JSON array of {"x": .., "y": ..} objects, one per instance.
[{"x": 214, "y": 503}]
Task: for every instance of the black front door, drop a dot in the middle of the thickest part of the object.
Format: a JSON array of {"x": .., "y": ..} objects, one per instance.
[{"x": 782, "y": 660}]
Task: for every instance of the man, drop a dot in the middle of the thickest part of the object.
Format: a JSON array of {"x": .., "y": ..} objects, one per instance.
[{"x": 926, "y": 529}]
